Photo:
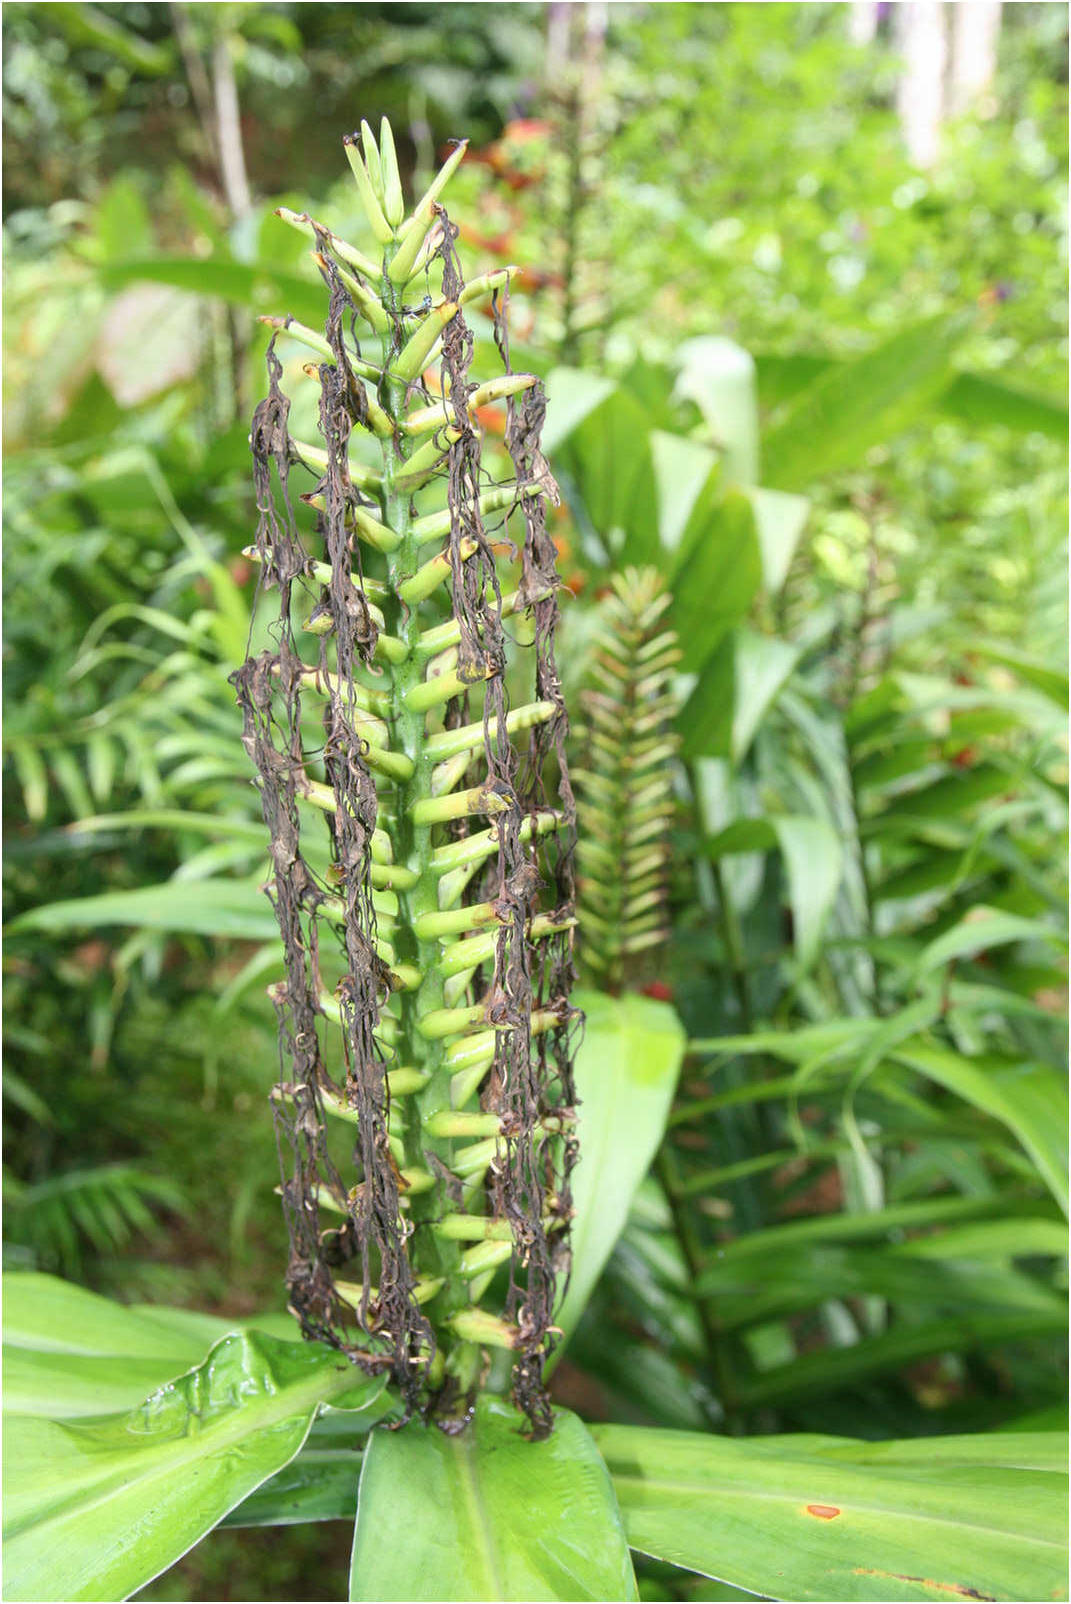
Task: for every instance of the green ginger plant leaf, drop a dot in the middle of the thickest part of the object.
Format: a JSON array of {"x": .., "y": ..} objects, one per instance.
[
  {"x": 94, "y": 1509},
  {"x": 452, "y": 1078}
]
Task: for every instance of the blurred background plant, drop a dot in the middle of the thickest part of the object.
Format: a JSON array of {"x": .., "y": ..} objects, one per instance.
[{"x": 819, "y": 387}]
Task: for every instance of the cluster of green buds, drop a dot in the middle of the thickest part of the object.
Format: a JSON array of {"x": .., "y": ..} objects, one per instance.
[
  {"x": 625, "y": 789},
  {"x": 426, "y": 1097}
]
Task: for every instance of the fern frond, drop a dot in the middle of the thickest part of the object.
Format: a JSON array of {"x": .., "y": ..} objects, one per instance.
[{"x": 104, "y": 1206}]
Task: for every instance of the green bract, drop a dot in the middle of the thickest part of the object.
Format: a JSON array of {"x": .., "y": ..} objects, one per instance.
[{"x": 428, "y": 1198}]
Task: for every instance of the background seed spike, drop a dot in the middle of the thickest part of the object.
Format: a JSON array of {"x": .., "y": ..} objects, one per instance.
[{"x": 625, "y": 789}]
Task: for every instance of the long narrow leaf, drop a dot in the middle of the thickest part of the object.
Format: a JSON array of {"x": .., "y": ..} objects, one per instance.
[{"x": 825, "y": 1518}]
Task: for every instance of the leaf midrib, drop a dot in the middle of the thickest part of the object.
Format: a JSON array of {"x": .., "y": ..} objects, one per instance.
[{"x": 469, "y": 1483}]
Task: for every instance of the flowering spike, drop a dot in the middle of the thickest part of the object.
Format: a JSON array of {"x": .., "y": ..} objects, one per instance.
[{"x": 450, "y": 888}]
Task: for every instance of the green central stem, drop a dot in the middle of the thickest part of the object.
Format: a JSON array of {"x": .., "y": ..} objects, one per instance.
[{"x": 432, "y": 1256}]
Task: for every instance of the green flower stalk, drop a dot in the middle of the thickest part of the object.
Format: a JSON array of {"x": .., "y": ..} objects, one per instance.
[
  {"x": 625, "y": 789},
  {"x": 426, "y": 1094}
]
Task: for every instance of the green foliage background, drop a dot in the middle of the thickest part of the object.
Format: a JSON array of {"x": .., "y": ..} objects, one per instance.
[{"x": 878, "y": 721}]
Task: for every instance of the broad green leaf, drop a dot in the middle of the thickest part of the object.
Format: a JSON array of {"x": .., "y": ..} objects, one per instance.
[
  {"x": 571, "y": 394},
  {"x": 735, "y": 690},
  {"x": 972, "y": 397},
  {"x": 762, "y": 665},
  {"x": 607, "y": 471},
  {"x": 718, "y": 580},
  {"x": 831, "y": 1370},
  {"x": 826, "y": 1518},
  {"x": 719, "y": 376},
  {"x": 68, "y": 1352},
  {"x": 749, "y": 1291},
  {"x": 832, "y": 423},
  {"x": 921, "y": 1215},
  {"x": 782, "y": 375},
  {"x": 990, "y": 1239},
  {"x": 979, "y": 399},
  {"x": 626, "y": 1073},
  {"x": 684, "y": 469},
  {"x": 981, "y": 929},
  {"x": 813, "y": 859},
  {"x": 780, "y": 520},
  {"x": 66, "y": 1386},
  {"x": 232, "y": 908},
  {"x": 95, "y": 1509},
  {"x": 1030, "y": 1099},
  {"x": 319, "y": 1484},
  {"x": 45, "y": 1314},
  {"x": 705, "y": 722},
  {"x": 488, "y": 1514},
  {"x": 257, "y": 288}
]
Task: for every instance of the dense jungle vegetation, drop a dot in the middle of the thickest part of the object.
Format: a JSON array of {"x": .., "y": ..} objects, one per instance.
[{"x": 807, "y": 410}]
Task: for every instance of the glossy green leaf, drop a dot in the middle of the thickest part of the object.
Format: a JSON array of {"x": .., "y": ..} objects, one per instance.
[
  {"x": 68, "y": 1352},
  {"x": 735, "y": 690},
  {"x": 46, "y": 1314},
  {"x": 980, "y": 930},
  {"x": 800, "y": 1277},
  {"x": 486, "y": 1514},
  {"x": 813, "y": 859},
  {"x": 232, "y": 908},
  {"x": 319, "y": 1484},
  {"x": 718, "y": 579},
  {"x": 607, "y": 470},
  {"x": 832, "y": 423},
  {"x": 830, "y": 1370},
  {"x": 979, "y": 399},
  {"x": 256, "y": 288},
  {"x": 826, "y": 1518},
  {"x": 780, "y": 520},
  {"x": 572, "y": 394},
  {"x": 626, "y": 1073},
  {"x": 1030, "y": 1099},
  {"x": 973, "y": 397},
  {"x": 684, "y": 471},
  {"x": 95, "y": 1509},
  {"x": 65, "y": 1386},
  {"x": 719, "y": 376}
]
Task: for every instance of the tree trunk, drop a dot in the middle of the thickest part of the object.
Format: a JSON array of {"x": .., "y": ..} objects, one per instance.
[
  {"x": 920, "y": 29},
  {"x": 975, "y": 32},
  {"x": 862, "y": 21},
  {"x": 229, "y": 130}
]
